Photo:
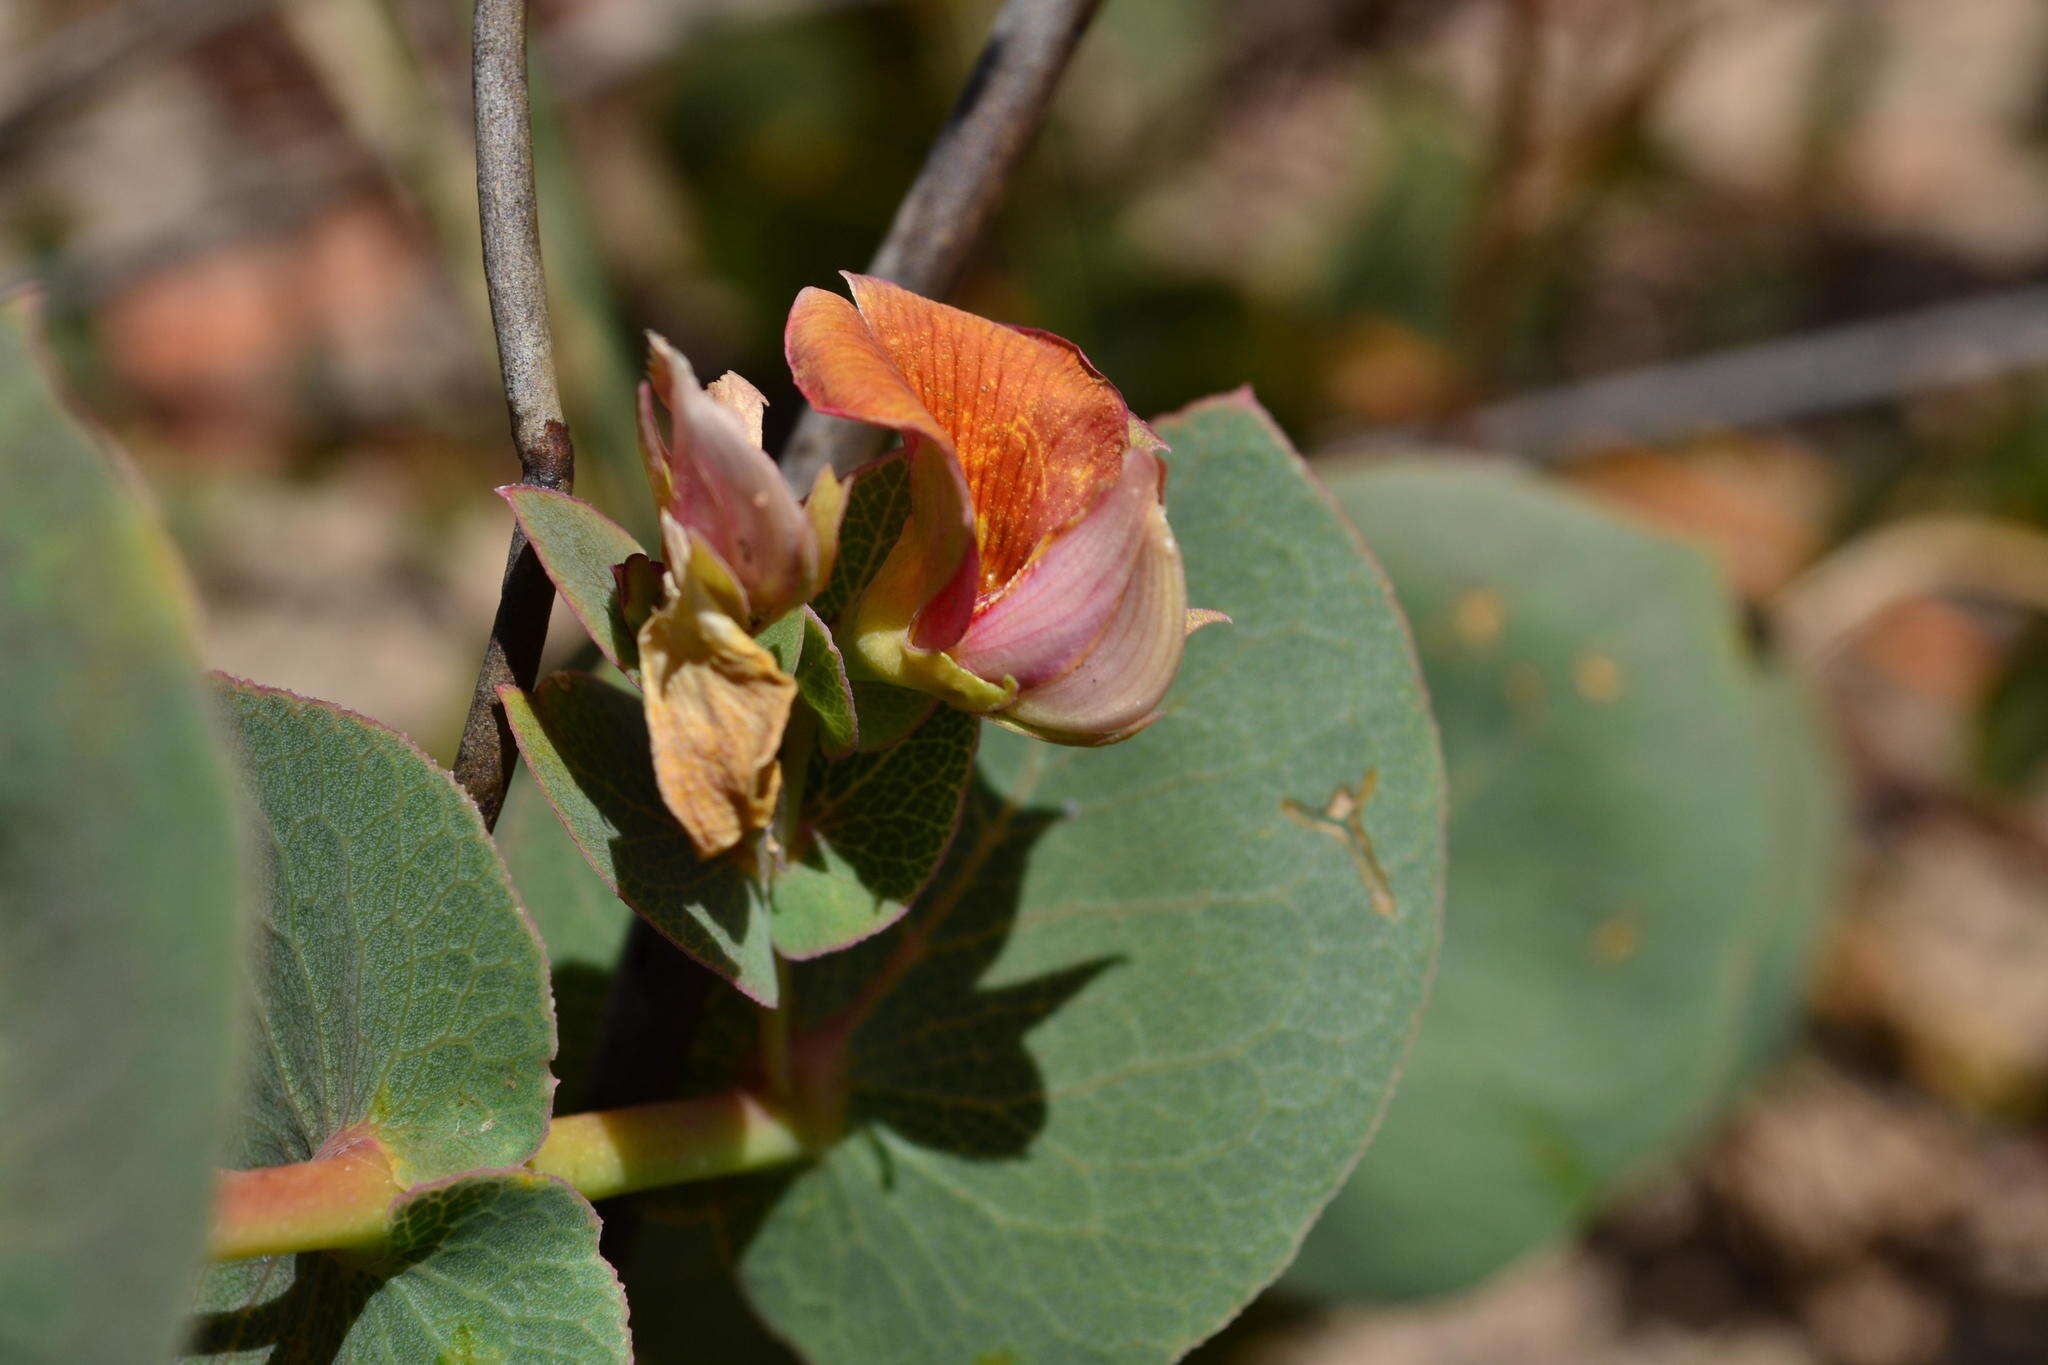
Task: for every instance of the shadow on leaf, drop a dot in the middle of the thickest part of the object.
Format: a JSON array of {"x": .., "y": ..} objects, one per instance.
[
  {"x": 935, "y": 1059},
  {"x": 939, "y": 1058},
  {"x": 596, "y": 769},
  {"x": 305, "y": 1321},
  {"x": 663, "y": 880}
]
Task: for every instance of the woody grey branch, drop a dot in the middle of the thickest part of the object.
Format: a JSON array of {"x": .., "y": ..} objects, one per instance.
[
  {"x": 526, "y": 361},
  {"x": 949, "y": 205}
]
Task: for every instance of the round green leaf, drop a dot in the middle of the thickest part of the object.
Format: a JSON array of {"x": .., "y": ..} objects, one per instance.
[
  {"x": 1103, "y": 1076},
  {"x": 402, "y": 993},
  {"x": 1611, "y": 871},
  {"x": 120, "y": 900}
]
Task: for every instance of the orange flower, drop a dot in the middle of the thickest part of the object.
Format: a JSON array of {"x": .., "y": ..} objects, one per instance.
[{"x": 1036, "y": 579}]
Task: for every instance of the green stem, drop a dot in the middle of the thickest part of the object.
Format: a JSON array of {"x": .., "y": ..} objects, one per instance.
[
  {"x": 345, "y": 1200},
  {"x": 340, "y": 1202},
  {"x": 799, "y": 740},
  {"x": 621, "y": 1151}
]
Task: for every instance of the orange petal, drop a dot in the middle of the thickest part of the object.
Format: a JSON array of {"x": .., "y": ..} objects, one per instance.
[
  {"x": 844, "y": 372},
  {"x": 1039, "y": 434}
]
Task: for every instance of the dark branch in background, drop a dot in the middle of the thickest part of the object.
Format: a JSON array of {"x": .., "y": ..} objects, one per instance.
[
  {"x": 950, "y": 203},
  {"x": 1797, "y": 377},
  {"x": 526, "y": 358}
]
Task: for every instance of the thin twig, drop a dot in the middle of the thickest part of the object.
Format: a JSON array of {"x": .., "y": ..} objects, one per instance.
[
  {"x": 1955, "y": 554},
  {"x": 519, "y": 315},
  {"x": 949, "y": 204}
]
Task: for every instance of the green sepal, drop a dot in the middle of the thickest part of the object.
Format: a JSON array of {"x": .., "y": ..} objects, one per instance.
[
  {"x": 579, "y": 546},
  {"x": 822, "y": 683},
  {"x": 784, "y": 638},
  {"x": 874, "y": 827}
]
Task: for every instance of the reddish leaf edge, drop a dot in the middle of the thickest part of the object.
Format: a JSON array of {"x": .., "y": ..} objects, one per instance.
[{"x": 1244, "y": 400}]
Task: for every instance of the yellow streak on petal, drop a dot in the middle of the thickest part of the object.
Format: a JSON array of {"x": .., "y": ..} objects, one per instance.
[{"x": 825, "y": 508}]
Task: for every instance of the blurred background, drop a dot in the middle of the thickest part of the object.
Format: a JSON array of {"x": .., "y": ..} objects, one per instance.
[{"x": 1769, "y": 273}]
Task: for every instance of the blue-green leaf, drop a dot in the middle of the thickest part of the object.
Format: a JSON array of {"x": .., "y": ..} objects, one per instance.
[{"x": 120, "y": 899}]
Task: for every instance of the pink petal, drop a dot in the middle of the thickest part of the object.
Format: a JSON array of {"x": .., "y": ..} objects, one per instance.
[
  {"x": 654, "y": 448},
  {"x": 1117, "y": 683},
  {"x": 728, "y": 491},
  {"x": 1058, "y": 605}
]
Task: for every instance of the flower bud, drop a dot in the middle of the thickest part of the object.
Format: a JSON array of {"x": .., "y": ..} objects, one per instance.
[
  {"x": 724, "y": 507},
  {"x": 741, "y": 552}
]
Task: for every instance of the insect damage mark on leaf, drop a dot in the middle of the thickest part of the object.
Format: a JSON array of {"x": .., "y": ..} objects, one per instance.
[{"x": 1343, "y": 819}]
